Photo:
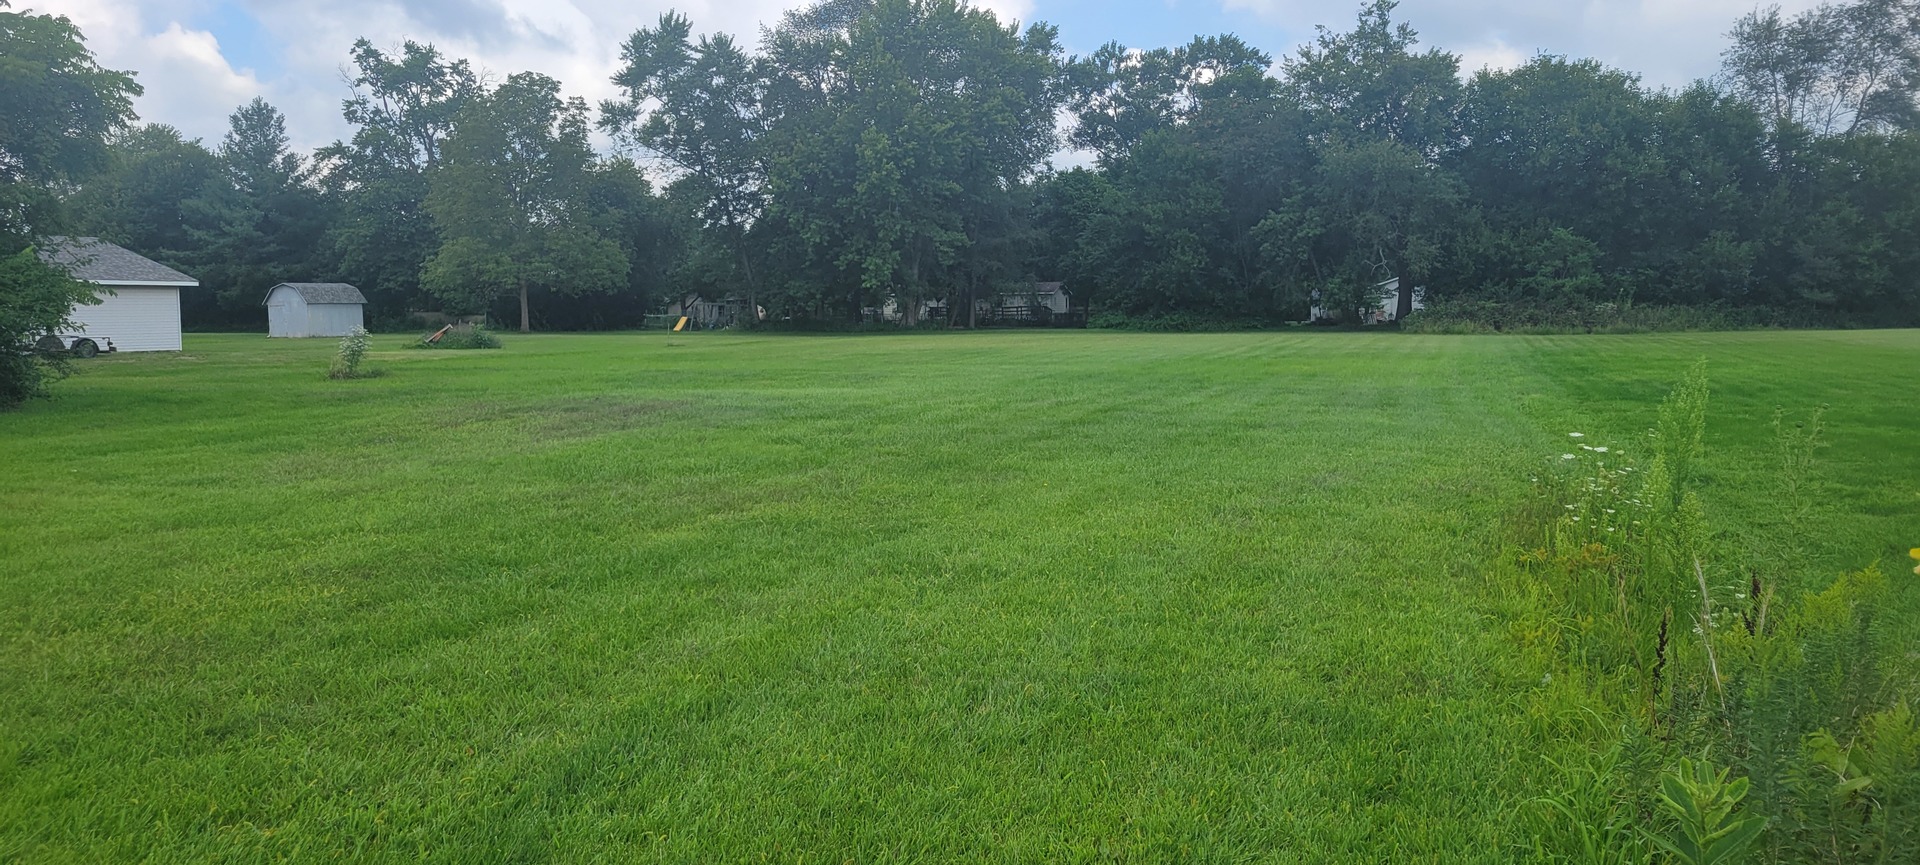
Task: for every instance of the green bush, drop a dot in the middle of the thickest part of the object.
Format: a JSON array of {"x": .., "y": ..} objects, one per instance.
[
  {"x": 1538, "y": 316},
  {"x": 1176, "y": 322},
  {"x": 35, "y": 299},
  {"x": 461, "y": 337}
]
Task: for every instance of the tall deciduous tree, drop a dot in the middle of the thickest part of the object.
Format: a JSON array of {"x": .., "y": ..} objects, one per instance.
[
  {"x": 1834, "y": 69},
  {"x": 697, "y": 105},
  {"x": 404, "y": 107},
  {"x": 140, "y": 200},
  {"x": 1371, "y": 82},
  {"x": 57, "y": 110},
  {"x": 1118, "y": 95},
  {"x": 1385, "y": 115},
  {"x": 510, "y": 199},
  {"x": 903, "y": 129}
]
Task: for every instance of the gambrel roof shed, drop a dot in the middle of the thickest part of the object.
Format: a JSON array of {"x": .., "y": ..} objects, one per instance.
[
  {"x": 322, "y": 292},
  {"x": 301, "y": 309}
]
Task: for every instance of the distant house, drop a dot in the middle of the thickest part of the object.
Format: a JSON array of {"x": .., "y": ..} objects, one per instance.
[
  {"x": 1046, "y": 304},
  {"x": 1385, "y": 306},
  {"x": 301, "y": 309},
  {"x": 1050, "y": 296},
  {"x": 139, "y": 305},
  {"x": 928, "y": 309},
  {"x": 713, "y": 313}
]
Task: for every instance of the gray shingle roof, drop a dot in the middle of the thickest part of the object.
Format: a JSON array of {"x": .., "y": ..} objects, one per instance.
[
  {"x": 95, "y": 260},
  {"x": 323, "y": 292}
]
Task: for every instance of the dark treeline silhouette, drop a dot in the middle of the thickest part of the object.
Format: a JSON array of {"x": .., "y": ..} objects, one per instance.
[{"x": 877, "y": 151}]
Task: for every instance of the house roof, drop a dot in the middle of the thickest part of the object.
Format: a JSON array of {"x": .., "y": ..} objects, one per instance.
[
  {"x": 323, "y": 292},
  {"x": 97, "y": 261},
  {"x": 1048, "y": 287}
]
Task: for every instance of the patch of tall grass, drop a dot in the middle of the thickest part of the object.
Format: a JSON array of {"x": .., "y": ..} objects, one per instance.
[{"x": 1758, "y": 712}]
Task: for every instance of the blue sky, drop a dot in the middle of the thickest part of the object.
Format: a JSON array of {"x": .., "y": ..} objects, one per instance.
[{"x": 200, "y": 58}]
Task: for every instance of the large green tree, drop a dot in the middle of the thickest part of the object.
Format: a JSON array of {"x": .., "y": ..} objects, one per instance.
[
  {"x": 1119, "y": 95},
  {"x": 902, "y": 130},
  {"x": 140, "y": 200},
  {"x": 1385, "y": 114},
  {"x": 58, "y": 108},
  {"x": 511, "y": 201},
  {"x": 697, "y": 104},
  {"x": 404, "y": 107},
  {"x": 1834, "y": 69},
  {"x": 263, "y": 224}
]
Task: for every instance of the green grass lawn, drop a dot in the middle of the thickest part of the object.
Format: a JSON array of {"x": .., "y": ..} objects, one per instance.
[{"x": 1042, "y": 597}]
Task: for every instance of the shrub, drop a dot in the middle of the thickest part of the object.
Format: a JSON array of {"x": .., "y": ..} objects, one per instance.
[
  {"x": 35, "y": 299},
  {"x": 1175, "y": 322},
  {"x": 353, "y": 350},
  {"x": 1462, "y": 315},
  {"x": 462, "y": 337}
]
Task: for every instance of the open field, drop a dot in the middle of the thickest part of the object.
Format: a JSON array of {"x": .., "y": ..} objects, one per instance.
[{"x": 1047, "y": 596}]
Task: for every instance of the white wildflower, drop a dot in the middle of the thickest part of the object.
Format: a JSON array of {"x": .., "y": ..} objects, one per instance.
[
  {"x": 1568, "y": 456},
  {"x": 1577, "y": 435}
]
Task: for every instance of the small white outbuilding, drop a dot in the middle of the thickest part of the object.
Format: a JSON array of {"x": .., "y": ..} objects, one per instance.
[
  {"x": 139, "y": 308},
  {"x": 299, "y": 309}
]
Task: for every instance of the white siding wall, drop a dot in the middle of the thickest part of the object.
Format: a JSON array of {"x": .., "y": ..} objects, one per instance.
[
  {"x": 333, "y": 319},
  {"x": 286, "y": 313},
  {"x": 136, "y": 319}
]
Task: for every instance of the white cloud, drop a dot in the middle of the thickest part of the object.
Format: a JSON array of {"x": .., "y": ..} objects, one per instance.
[
  {"x": 1009, "y": 11},
  {"x": 192, "y": 84},
  {"x": 1494, "y": 54},
  {"x": 182, "y": 69}
]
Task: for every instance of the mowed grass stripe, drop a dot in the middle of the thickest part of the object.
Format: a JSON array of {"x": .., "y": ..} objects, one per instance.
[{"x": 1012, "y": 596}]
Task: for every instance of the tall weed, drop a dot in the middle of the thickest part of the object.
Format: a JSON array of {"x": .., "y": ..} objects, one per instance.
[{"x": 1813, "y": 744}]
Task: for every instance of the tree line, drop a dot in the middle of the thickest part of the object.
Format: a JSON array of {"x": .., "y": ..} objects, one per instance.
[{"x": 868, "y": 151}]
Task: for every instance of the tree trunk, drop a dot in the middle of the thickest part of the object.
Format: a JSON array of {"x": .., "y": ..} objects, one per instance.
[
  {"x": 526, "y": 324},
  {"x": 1403, "y": 303},
  {"x": 753, "y": 294},
  {"x": 910, "y": 302}
]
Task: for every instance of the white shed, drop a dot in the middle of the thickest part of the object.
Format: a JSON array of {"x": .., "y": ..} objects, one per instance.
[
  {"x": 139, "y": 307},
  {"x": 297, "y": 309}
]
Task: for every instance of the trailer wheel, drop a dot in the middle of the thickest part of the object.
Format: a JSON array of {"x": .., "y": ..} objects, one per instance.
[
  {"x": 85, "y": 348},
  {"x": 50, "y": 344}
]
